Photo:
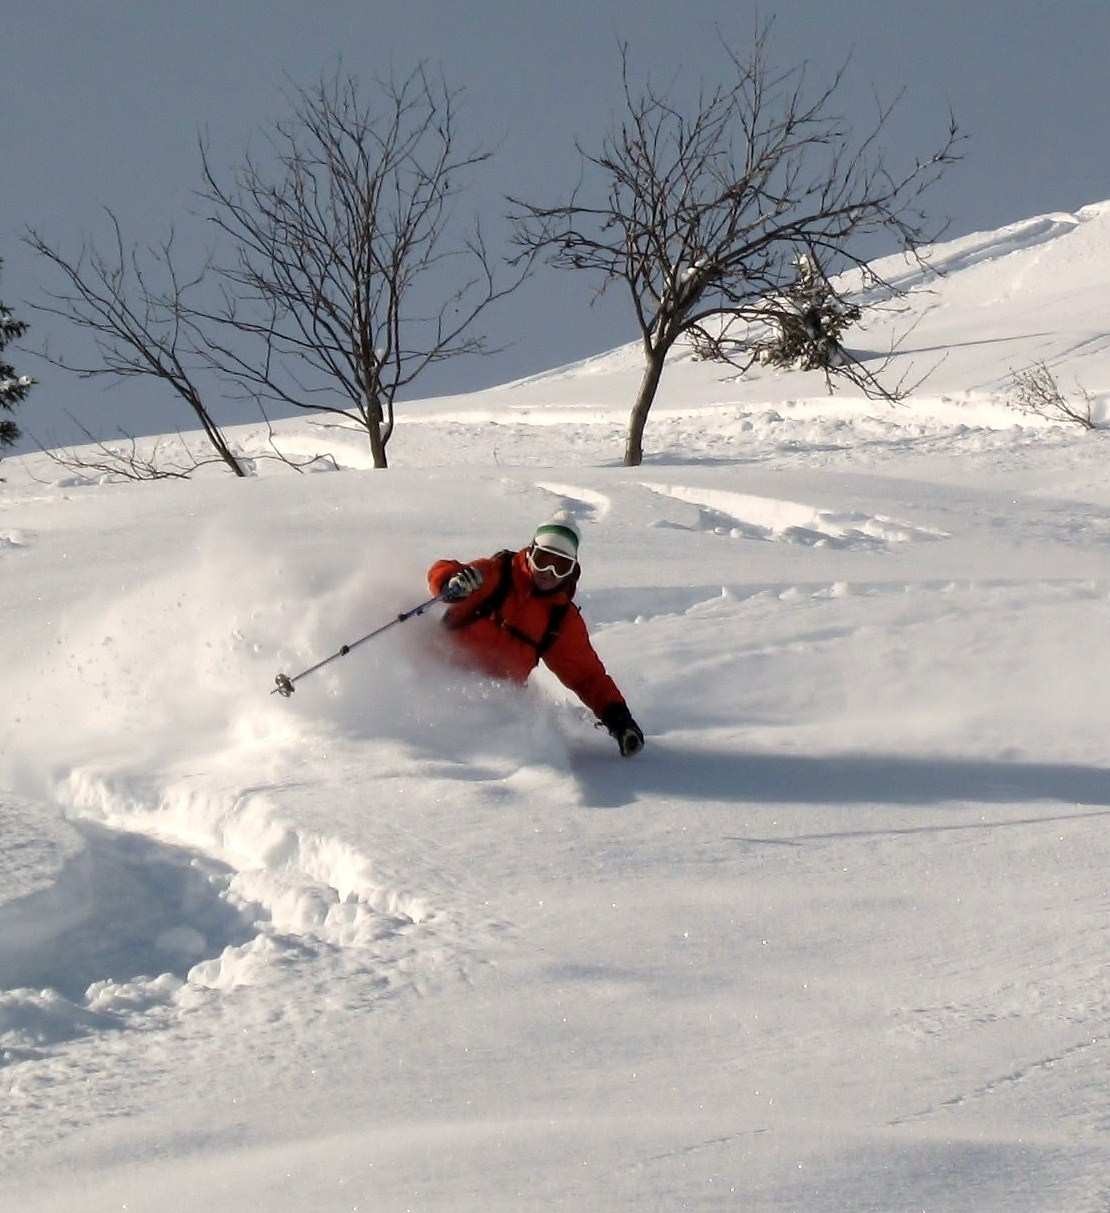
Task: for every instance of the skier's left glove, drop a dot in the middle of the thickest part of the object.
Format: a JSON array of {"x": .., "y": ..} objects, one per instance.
[
  {"x": 623, "y": 729},
  {"x": 462, "y": 584}
]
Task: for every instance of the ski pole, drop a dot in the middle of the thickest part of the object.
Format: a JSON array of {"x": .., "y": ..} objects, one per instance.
[{"x": 285, "y": 683}]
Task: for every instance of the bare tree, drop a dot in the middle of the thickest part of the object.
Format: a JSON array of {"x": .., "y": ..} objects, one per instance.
[
  {"x": 330, "y": 295},
  {"x": 342, "y": 250},
  {"x": 141, "y": 330},
  {"x": 702, "y": 213},
  {"x": 1037, "y": 391}
]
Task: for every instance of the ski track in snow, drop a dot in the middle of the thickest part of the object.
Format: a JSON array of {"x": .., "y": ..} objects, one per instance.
[
  {"x": 126, "y": 905},
  {"x": 114, "y": 935},
  {"x": 977, "y": 249},
  {"x": 175, "y": 904},
  {"x": 745, "y": 516},
  {"x": 1036, "y": 1068}
]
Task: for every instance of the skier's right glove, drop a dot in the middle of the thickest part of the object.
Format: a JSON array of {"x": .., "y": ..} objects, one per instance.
[
  {"x": 462, "y": 584},
  {"x": 623, "y": 729}
]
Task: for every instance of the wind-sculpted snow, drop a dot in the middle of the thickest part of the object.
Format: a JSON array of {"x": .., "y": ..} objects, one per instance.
[
  {"x": 587, "y": 505},
  {"x": 743, "y": 516}
]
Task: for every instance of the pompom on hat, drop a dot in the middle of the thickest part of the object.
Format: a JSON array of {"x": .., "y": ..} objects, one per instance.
[{"x": 558, "y": 534}]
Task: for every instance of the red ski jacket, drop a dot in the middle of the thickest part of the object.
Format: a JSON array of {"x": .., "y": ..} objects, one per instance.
[{"x": 507, "y": 626}]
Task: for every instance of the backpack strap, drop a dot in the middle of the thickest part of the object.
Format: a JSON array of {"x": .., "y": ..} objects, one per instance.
[
  {"x": 493, "y": 604},
  {"x": 554, "y": 623}
]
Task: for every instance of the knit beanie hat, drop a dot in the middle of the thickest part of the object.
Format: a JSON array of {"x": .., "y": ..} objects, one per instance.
[{"x": 559, "y": 534}]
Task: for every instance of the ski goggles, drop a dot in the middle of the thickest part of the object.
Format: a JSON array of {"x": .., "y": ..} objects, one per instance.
[{"x": 544, "y": 560}]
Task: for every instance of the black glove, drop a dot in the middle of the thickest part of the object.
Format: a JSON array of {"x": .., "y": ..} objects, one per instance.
[
  {"x": 626, "y": 732},
  {"x": 462, "y": 584}
]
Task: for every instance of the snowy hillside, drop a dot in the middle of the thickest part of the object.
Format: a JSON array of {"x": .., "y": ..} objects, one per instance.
[{"x": 415, "y": 940}]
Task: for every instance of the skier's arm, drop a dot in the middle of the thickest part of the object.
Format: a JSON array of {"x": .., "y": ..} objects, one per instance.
[
  {"x": 574, "y": 661},
  {"x": 443, "y": 570}
]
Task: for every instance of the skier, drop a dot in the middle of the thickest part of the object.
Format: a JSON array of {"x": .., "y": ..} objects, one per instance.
[{"x": 510, "y": 610}]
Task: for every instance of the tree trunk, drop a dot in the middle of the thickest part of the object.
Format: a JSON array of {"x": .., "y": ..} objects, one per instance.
[
  {"x": 653, "y": 371},
  {"x": 377, "y": 446},
  {"x": 215, "y": 434},
  {"x": 229, "y": 459},
  {"x": 372, "y": 416}
]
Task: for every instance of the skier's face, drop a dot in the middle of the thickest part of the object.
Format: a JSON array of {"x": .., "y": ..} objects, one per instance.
[
  {"x": 549, "y": 569},
  {"x": 544, "y": 580}
]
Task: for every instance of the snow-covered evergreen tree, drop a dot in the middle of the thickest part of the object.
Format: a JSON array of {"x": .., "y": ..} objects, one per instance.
[
  {"x": 13, "y": 387},
  {"x": 811, "y": 322}
]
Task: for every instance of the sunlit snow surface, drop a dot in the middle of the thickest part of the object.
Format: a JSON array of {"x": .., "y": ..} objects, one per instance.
[{"x": 410, "y": 940}]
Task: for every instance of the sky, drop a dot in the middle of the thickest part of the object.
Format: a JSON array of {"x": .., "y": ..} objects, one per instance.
[{"x": 103, "y": 103}]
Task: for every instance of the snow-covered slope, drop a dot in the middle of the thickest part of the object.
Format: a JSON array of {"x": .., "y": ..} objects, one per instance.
[
  {"x": 413, "y": 940},
  {"x": 992, "y": 303}
]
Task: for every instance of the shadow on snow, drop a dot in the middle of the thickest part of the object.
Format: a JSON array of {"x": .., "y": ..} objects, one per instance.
[{"x": 669, "y": 770}]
